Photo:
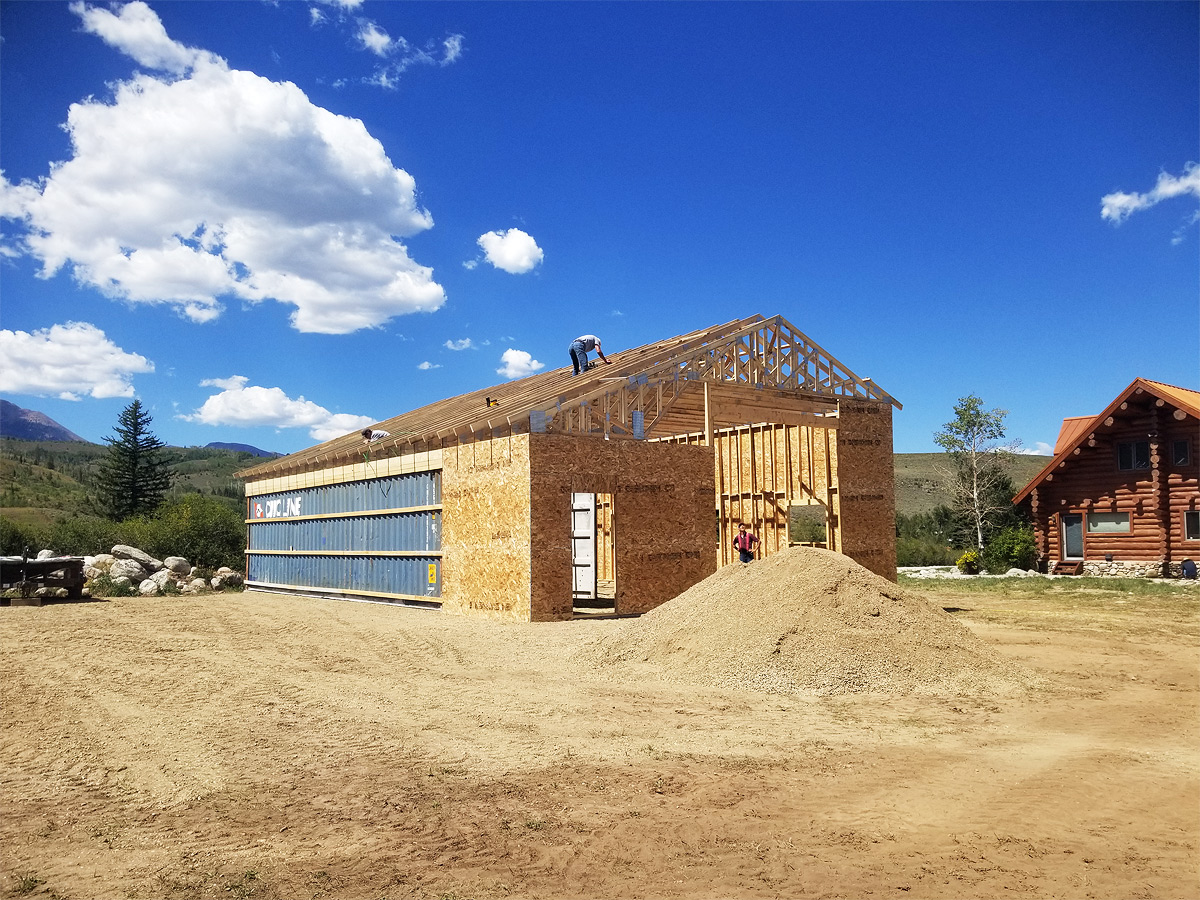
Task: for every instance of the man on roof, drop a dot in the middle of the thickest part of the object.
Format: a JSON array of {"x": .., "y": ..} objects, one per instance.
[{"x": 581, "y": 347}]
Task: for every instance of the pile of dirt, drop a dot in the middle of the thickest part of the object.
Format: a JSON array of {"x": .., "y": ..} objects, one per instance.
[{"x": 806, "y": 620}]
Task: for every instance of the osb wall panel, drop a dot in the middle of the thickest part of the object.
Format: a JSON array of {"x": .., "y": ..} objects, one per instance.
[
  {"x": 866, "y": 492},
  {"x": 486, "y": 529},
  {"x": 663, "y": 518}
]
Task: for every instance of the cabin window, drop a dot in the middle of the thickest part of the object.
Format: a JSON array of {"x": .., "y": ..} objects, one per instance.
[
  {"x": 1108, "y": 523},
  {"x": 1133, "y": 455},
  {"x": 1191, "y": 525},
  {"x": 1181, "y": 453}
]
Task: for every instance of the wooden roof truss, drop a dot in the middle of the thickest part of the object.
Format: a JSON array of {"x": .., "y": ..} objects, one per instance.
[
  {"x": 746, "y": 371},
  {"x": 750, "y": 370}
]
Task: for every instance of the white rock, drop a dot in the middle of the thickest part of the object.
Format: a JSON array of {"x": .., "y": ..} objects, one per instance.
[
  {"x": 124, "y": 551},
  {"x": 128, "y": 568},
  {"x": 148, "y": 588},
  {"x": 178, "y": 565}
]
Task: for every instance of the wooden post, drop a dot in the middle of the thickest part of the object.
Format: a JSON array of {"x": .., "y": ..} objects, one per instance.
[{"x": 707, "y": 418}]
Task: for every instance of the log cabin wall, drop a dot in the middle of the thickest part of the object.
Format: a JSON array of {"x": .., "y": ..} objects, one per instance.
[{"x": 1156, "y": 498}]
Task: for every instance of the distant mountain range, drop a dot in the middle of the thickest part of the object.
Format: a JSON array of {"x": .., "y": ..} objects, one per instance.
[
  {"x": 31, "y": 425},
  {"x": 243, "y": 448}
]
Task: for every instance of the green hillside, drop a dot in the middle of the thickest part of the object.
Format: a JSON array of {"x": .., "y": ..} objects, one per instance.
[
  {"x": 41, "y": 480},
  {"x": 919, "y": 487}
]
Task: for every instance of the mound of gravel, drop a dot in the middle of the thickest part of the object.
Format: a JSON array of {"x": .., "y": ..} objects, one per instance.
[{"x": 806, "y": 620}]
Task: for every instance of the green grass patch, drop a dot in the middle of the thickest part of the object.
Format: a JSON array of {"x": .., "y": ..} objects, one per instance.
[{"x": 1039, "y": 587}]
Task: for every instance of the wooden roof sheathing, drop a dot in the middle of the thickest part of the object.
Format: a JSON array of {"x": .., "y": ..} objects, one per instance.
[{"x": 753, "y": 365}]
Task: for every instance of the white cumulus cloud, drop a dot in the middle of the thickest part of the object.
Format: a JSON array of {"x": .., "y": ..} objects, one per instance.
[
  {"x": 243, "y": 404},
  {"x": 213, "y": 183},
  {"x": 67, "y": 361},
  {"x": 518, "y": 364},
  {"x": 463, "y": 344},
  {"x": 427, "y": 365},
  {"x": 1119, "y": 206},
  {"x": 375, "y": 38},
  {"x": 513, "y": 250},
  {"x": 136, "y": 31}
]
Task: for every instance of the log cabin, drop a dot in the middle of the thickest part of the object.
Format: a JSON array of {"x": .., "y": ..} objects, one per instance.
[
  {"x": 525, "y": 500},
  {"x": 1121, "y": 496}
]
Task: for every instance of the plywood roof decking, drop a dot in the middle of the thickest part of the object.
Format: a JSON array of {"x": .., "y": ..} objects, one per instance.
[{"x": 753, "y": 367}]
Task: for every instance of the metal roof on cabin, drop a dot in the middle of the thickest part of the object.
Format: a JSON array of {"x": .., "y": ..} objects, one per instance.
[
  {"x": 1071, "y": 428},
  {"x": 1183, "y": 398}
]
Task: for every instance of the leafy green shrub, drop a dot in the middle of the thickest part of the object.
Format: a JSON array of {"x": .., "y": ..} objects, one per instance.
[
  {"x": 916, "y": 551},
  {"x": 15, "y": 539},
  {"x": 105, "y": 586},
  {"x": 968, "y": 563},
  {"x": 1012, "y": 548},
  {"x": 201, "y": 529},
  {"x": 83, "y": 536}
]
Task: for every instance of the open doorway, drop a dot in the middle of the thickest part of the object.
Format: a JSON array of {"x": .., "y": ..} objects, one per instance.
[{"x": 593, "y": 553}]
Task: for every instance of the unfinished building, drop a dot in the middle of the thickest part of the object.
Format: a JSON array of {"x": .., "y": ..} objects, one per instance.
[{"x": 624, "y": 485}]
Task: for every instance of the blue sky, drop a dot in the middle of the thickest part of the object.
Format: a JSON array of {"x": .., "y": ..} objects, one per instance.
[{"x": 274, "y": 223}]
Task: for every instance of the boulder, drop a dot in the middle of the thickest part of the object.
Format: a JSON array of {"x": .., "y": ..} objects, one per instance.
[
  {"x": 178, "y": 565},
  {"x": 225, "y": 577},
  {"x": 160, "y": 578},
  {"x": 46, "y": 554},
  {"x": 148, "y": 588},
  {"x": 148, "y": 562},
  {"x": 128, "y": 568}
]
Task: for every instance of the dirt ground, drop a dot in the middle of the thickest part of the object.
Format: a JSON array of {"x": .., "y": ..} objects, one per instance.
[{"x": 258, "y": 745}]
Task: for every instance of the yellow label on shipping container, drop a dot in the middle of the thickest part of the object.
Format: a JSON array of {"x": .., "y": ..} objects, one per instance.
[{"x": 433, "y": 573}]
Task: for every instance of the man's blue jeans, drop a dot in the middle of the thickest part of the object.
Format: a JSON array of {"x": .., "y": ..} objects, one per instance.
[{"x": 578, "y": 356}]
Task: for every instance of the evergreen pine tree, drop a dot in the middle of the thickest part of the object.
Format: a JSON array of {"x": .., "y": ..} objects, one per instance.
[{"x": 134, "y": 476}]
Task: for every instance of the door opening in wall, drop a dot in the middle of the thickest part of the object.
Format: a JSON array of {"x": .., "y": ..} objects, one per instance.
[{"x": 593, "y": 553}]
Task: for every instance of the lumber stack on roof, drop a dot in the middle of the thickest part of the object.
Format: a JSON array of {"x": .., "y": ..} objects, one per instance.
[{"x": 751, "y": 367}]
